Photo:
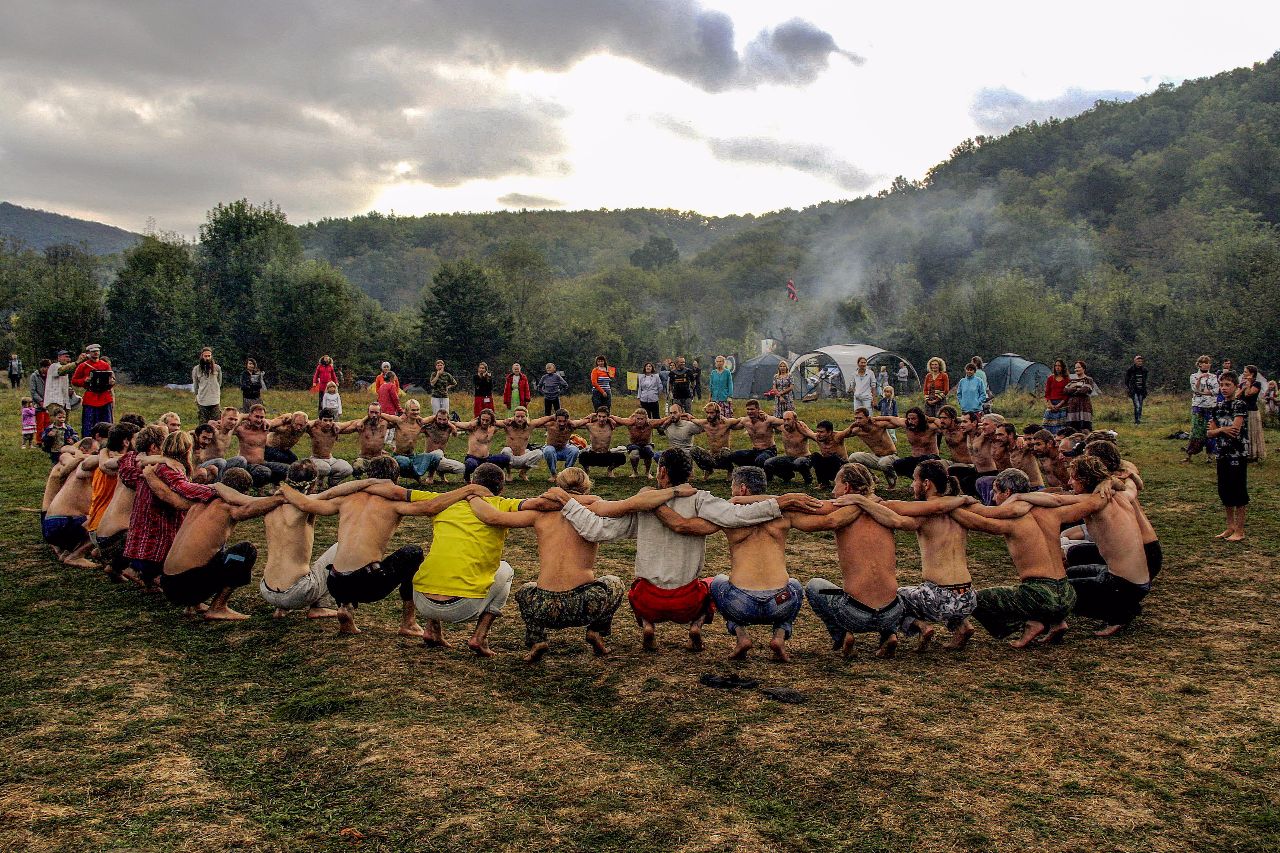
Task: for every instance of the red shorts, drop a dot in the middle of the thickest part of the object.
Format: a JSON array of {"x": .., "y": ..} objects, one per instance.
[{"x": 682, "y": 604}]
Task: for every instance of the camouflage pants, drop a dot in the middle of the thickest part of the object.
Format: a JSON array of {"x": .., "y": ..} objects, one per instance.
[
  {"x": 704, "y": 460},
  {"x": 590, "y": 605},
  {"x": 1002, "y": 610}
]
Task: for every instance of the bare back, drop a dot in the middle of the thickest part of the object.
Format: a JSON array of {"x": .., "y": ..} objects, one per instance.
[
  {"x": 291, "y": 534},
  {"x": 75, "y": 495},
  {"x": 868, "y": 561},
  {"x": 365, "y": 525},
  {"x": 204, "y": 531},
  {"x": 757, "y": 555},
  {"x": 943, "y": 558},
  {"x": 1116, "y": 532},
  {"x": 565, "y": 559}
]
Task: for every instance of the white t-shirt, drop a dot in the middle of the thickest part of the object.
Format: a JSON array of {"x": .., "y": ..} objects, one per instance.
[{"x": 57, "y": 389}]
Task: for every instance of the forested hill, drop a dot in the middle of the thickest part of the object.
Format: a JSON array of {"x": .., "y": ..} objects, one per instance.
[{"x": 39, "y": 229}]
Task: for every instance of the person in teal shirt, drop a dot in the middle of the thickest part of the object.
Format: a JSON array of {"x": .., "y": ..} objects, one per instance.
[
  {"x": 721, "y": 386},
  {"x": 972, "y": 391}
]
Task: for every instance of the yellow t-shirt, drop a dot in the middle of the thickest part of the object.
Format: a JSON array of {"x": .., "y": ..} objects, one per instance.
[{"x": 465, "y": 551}]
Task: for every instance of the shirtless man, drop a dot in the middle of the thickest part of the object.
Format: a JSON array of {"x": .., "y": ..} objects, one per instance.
[
  {"x": 224, "y": 429},
  {"x": 922, "y": 434},
  {"x": 600, "y": 428},
  {"x": 371, "y": 436},
  {"x": 290, "y": 581},
  {"x": 1021, "y": 456},
  {"x": 282, "y": 438},
  {"x": 640, "y": 431},
  {"x": 867, "y": 600},
  {"x": 719, "y": 435},
  {"x": 114, "y": 526},
  {"x": 567, "y": 593},
  {"x": 1052, "y": 463},
  {"x": 1044, "y": 598},
  {"x": 324, "y": 432},
  {"x": 438, "y": 430},
  {"x": 758, "y": 590},
  {"x": 199, "y": 565},
  {"x": 63, "y": 524},
  {"x": 69, "y": 456},
  {"x": 367, "y": 519},
  {"x": 795, "y": 452},
  {"x": 831, "y": 453},
  {"x": 205, "y": 458},
  {"x": 408, "y": 429},
  {"x": 884, "y": 453},
  {"x": 946, "y": 594},
  {"x": 760, "y": 429},
  {"x": 518, "y": 430},
  {"x": 480, "y": 434},
  {"x": 251, "y": 432},
  {"x": 558, "y": 447}
]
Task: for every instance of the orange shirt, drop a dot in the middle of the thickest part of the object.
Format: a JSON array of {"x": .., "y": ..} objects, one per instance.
[{"x": 104, "y": 486}]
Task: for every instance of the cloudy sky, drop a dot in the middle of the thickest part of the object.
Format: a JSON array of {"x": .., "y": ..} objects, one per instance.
[{"x": 124, "y": 111}]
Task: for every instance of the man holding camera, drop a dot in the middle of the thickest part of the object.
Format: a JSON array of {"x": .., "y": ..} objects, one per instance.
[{"x": 93, "y": 373}]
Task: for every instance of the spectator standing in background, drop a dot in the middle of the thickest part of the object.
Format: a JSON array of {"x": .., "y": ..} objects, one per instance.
[
  {"x": 649, "y": 390},
  {"x": 1055, "y": 397},
  {"x": 253, "y": 382},
  {"x": 1204, "y": 398},
  {"x": 482, "y": 393},
  {"x": 602, "y": 384},
  {"x": 882, "y": 376},
  {"x": 887, "y": 406},
  {"x": 552, "y": 386},
  {"x": 57, "y": 382},
  {"x": 720, "y": 385},
  {"x": 15, "y": 370},
  {"x": 387, "y": 387},
  {"x": 680, "y": 384},
  {"x": 1135, "y": 382},
  {"x": 331, "y": 400},
  {"x": 1226, "y": 368},
  {"x": 1251, "y": 394},
  {"x": 784, "y": 391},
  {"x": 1080, "y": 392},
  {"x": 937, "y": 385},
  {"x": 1229, "y": 426},
  {"x": 36, "y": 382},
  {"x": 982, "y": 374},
  {"x": 862, "y": 383},
  {"x": 206, "y": 384},
  {"x": 904, "y": 376},
  {"x": 696, "y": 370},
  {"x": 516, "y": 388},
  {"x": 664, "y": 373},
  {"x": 94, "y": 374},
  {"x": 441, "y": 383},
  {"x": 971, "y": 392},
  {"x": 324, "y": 374}
]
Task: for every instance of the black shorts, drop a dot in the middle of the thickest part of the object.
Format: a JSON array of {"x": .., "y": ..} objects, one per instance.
[
  {"x": 1233, "y": 481},
  {"x": 376, "y": 580},
  {"x": 230, "y": 567}
]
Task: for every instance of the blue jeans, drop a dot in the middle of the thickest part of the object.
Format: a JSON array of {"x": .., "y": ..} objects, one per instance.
[
  {"x": 419, "y": 464},
  {"x": 776, "y": 607},
  {"x": 1137, "y": 407},
  {"x": 844, "y": 615},
  {"x": 568, "y": 455}
]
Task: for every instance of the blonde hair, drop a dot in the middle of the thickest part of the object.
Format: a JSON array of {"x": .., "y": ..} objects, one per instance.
[
  {"x": 942, "y": 365},
  {"x": 575, "y": 481},
  {"x": 168, "y": 415},
  {"x": 782, "y": 368},
  {"x": 333, "y": 385},
  {"x": 177, "y": 446}
]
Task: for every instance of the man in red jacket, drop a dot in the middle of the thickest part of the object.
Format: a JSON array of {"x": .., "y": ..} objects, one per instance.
[
  {"x": 518, "y": 383},
  {"x": 94, "y": 374}
]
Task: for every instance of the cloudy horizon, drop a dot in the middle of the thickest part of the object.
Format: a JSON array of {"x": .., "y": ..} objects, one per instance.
[{"x": 159, "y": 110}]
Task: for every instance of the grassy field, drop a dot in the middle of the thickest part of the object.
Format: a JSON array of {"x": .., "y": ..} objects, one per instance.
[{"x": 123, "y": 726}]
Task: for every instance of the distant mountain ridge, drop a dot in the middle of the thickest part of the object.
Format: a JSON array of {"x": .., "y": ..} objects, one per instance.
[{"x": 39, "y": 229}]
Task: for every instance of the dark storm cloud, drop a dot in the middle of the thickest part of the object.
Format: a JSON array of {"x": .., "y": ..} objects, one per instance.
[
  {"x": 161, "y": 108},
  {"x": 816, "y": 160},
  {"x": 999, "y": 109}
]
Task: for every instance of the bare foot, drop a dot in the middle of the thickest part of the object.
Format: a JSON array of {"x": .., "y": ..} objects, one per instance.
[
  {"x": 321, "y": 613},
  {"x": 481, "y": 648},
  {"x": 224, "y": 614},
  {"x": 434, "y": 635},
  {"x": 648, "y": 640},
  {"x": 279, "y": 613},
  {"x": 414, "y": 630},
  {"x": 132, "y": 577},
  {"x": 740, "y": 651},
  {"x": 1109, "y": 631},
  {"x": 536, "y": 653},
  {"x": 960, "y": 638},
  {"x": 596, "y": 642},
  {"x": 695, "y": 638},
  {"x": 633, "y": 475},
  {"x": 1235, "y": 537},
  {"x": 847, "y": 647},
  {"x": 1029, "y": 633},
  {"x": 1223, "y": 535},
  {"x": 779, "y": 647},
  {"x": 1056, "y": 634},
  {"x": 84, "y": 563},
  {"x": 346, "y": 622},
  {"x": 888, "y": 647},
  {"x": 926, "y": 637}
]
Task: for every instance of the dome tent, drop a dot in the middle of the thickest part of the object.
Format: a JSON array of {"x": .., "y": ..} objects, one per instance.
[
  {"x": 1011, "y": 370},
  {"x": 844, "y": 359},
  {"x": 753, "y": 378}
]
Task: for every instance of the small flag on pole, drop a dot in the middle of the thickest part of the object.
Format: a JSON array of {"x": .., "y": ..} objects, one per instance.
[{"x": 791, "y": 290}]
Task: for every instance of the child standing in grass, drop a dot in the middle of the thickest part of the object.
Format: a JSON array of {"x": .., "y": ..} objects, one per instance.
[
  {"x": 28, "y": 422},
  {"x": 1229, "y": 424},
  {"x": 331, "y": 399},
  {"x": 888, "y": 408}
]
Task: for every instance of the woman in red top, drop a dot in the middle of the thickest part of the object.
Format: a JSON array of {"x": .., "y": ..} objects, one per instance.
[
  {"x": 937, "y": 385},
  {"x": 323, "y": 376},
  {"x": 1055, "y": 397},
  {"x": 518, "y": 383}
]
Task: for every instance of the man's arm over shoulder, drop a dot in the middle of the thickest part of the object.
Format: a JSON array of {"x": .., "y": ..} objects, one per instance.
[
  {"x": 722, "y": 513},
  {"x": 595, "y": 528},
  {"x": 677, "y": 523}
]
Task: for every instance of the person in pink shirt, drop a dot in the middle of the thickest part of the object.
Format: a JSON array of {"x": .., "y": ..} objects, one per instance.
[{"x": 322, "y": 377}]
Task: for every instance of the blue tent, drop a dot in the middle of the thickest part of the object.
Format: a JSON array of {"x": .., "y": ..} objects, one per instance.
[
  {"x": 755, "y": 377},
  {"x": 1011, "y": 370}
]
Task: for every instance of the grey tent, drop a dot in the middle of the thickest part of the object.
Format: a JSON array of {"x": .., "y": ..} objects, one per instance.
[
  {"x": 753, "y": 378},
  {"x": 1011, "y": 370}
]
